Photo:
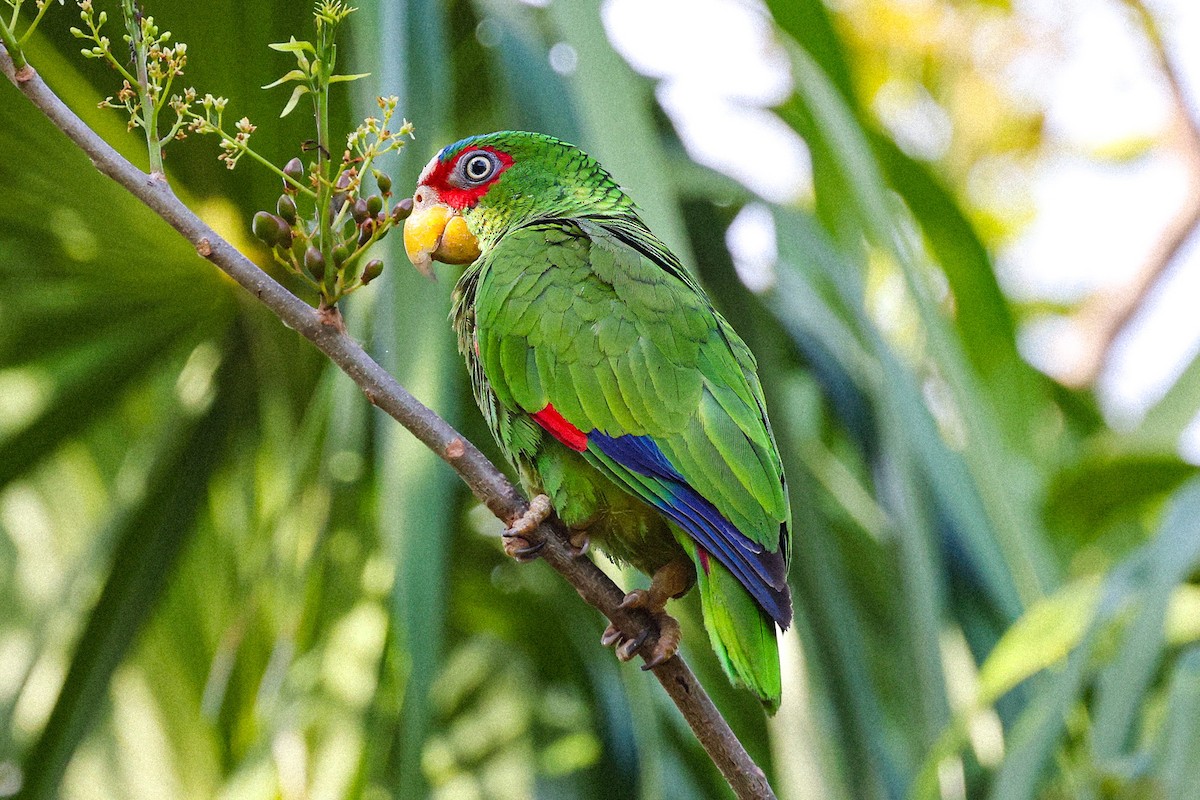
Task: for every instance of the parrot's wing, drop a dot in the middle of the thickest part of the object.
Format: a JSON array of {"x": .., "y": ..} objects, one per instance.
[{"x": 619, "y": 355}]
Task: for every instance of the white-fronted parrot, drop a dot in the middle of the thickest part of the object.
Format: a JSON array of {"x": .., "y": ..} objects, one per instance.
[{"x": 614, "y": 387}]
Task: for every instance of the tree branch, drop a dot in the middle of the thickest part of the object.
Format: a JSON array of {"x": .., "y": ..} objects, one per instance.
[
  {"x": 486, "y": 482},
  {"x": 1103, "y": 315}
]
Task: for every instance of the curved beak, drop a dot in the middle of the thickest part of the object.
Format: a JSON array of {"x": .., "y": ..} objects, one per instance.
[{"x": 434, "y": 231}]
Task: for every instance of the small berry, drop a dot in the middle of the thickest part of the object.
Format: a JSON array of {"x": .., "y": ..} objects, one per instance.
[
  {"x": 286, "y": 208},
  {"x": 314, "y": 262},
  {"x": 294, "y": 169},
  {"x": 340, "y": 254},
  {"x": 371, "y": 271},
  {"x": 359, "y": 211},
  {"x": 402, "y": 209},
  {"x": 271, "y": 229}
]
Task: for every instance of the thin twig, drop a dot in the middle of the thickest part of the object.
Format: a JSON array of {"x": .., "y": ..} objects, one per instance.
[
  {"x": 1103, "y": 316},
  {"x": 487, "y": 483}
]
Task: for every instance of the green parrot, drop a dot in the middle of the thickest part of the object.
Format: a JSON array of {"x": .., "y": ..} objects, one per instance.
[{"x": 625, "y": 402}]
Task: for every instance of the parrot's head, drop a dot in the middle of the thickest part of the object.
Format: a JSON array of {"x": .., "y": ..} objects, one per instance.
[{"x": 475, "y": 190}]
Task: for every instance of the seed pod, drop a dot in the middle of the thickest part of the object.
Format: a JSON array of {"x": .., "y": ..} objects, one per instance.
[
  {"x": 314, "y": 262},
  {"x": 371, "y": 271},
  {"x": 297, "y": 248},
  {"x": 340, "y": 254},
  {"x": 294, "y": 169},
  {"x": 374, "y": 204},
  {"x": 384, "y": 181},
  {"x": 359, "y": 211},
  {"x": 366, "y": 231},
  {"x": 286, "y": 208},
  {"x": 285, "y": 234},
  {"x": 269, "y": 228},
  {"x": 402, "y": 210}
]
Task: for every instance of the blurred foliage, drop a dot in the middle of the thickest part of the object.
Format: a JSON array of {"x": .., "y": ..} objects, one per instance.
[{"x": 224, "y": 575}]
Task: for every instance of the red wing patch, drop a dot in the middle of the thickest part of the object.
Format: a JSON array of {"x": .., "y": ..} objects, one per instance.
[
  {"x": 560, "y": 429},
  {"x": 703, "y": 558}
]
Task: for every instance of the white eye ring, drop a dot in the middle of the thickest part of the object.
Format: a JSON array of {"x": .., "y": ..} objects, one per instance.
[{"x": 477, "y": 168}]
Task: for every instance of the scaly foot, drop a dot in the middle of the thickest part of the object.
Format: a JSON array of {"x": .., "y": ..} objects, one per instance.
[
  {"x": 672, "y": 580},
  {"x": 516, "y": 536}
]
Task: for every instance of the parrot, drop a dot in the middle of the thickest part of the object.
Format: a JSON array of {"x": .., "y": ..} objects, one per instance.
[{"x": 624, "y": 401}]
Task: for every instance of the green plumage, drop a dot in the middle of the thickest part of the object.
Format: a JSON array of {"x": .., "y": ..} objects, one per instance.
[{"x": 575, "y": 304}]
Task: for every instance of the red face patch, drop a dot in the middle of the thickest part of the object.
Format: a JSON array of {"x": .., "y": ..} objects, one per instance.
[{"x": 446, "y": 177}]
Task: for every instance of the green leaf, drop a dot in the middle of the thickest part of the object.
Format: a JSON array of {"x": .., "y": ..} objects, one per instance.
[
  {"x": 1167, "y": 419},
  {"x": 1178, "y": 758},
  {"x": 293, "y": 46},
  {"x": 1175, "y": 554},
  {"x": 851, "y": 183},
  {"x": 1102, "y": 490},
  {"x": 297, "y": 93},
  {"x": 149, "y": 541},
  {"x": 294, "y": 75},
  {"x": 348, "y": 78},
  {"x": 1043, "y": 636}
]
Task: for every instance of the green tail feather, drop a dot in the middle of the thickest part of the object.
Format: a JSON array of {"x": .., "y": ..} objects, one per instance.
[{"x": 742, "y": 634}]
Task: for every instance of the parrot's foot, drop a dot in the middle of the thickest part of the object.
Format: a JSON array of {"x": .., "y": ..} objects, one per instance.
[
  {"x": 665, "y": 646},
  {"x": 516, "y": 541},
  {"x": 580, "y": 541},
  {"x": 672, "y": 580}
]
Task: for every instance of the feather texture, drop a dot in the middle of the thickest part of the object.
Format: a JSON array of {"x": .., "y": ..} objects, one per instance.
[{"x": 613, "y": 384}]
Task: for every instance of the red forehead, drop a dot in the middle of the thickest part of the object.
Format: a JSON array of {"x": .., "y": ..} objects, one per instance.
[{"x": 437, "y": 177}]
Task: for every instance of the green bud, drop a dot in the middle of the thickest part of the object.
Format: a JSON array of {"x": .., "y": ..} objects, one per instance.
[
  {"x": 374, "y": 204},
  {"x": 365, "y": 231},
  {"x": 340, "y": 254},
  {"x": 294, "y": 169},
  {"x": 314, "y": 262},
  {"x": 371, "y": 271},
  {"x": 402, "y": 210},
  {"x": 271, "y": 229},
  {"x": 384, "y": 181},
  {"x": 286, "y": 208}
]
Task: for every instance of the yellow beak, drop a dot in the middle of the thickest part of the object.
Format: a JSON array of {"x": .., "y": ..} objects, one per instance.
[{"x": 437, "y": 232}]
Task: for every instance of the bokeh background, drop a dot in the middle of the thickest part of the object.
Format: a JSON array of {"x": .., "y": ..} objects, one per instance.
[{"x": 956, "y": 235}]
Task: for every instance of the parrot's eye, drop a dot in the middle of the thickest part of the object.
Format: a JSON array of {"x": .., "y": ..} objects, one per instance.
[{"x": 479, "y": 167}]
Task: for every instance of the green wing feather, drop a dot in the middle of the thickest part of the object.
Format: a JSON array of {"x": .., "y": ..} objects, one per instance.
[
  {"x": 598, "y": 319},
  {"x": 569, "y": 314}
]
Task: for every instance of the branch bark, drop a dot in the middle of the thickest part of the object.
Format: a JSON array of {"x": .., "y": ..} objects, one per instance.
[
  {"x": 486, "y": 482},
  {"x": 1104, "y": 315}
]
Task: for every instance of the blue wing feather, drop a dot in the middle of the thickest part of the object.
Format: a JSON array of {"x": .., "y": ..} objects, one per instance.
[{"x": 763, "y": 573}]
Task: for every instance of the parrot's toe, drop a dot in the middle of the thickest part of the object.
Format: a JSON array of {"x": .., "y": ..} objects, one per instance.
[
  {"x": 665, "y": 646},
  {"x": 517, "y": 543},
  {"x": 627, "y": 649},
  {"x": 638, "y": 598},
  {"x": 520, "y": 548},
  {"x": 668, "y": 641},
  {"x": 539, "y": 509},
  {"x": 580, "y": 541},
  {"x": 611, "y": 636}
]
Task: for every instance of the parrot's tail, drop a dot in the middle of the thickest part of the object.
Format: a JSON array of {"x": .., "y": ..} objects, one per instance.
[{"x": 742, "y": 634}]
